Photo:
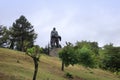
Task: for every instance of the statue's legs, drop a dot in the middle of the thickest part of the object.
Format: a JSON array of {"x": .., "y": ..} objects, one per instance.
[
  {"x": 57, "y": 43},
  {"x": 53, "y": 42}
]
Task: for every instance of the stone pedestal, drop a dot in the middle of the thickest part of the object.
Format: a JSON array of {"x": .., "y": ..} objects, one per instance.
[{"x": 54, "y": 52}]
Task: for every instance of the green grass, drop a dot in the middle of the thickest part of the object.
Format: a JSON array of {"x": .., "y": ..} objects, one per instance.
[{"x": 15, "y": 65}]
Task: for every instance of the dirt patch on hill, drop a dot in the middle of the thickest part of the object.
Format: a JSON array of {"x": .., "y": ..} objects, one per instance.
[
  {"x": 4, "y": 77},
  {"x": 78, "y": 78},
  {"x": 75, "y": 78}
]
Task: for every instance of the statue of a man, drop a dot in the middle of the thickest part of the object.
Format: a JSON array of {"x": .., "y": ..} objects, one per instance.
[
  {"x": 54, "y": 33},
  {"x": 55, "y": 38}
]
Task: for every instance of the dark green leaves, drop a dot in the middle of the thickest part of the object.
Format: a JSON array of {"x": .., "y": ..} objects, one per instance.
[
  {"x": 67, "y": 55},
  {"x": 80, "y": 54},
  {"x": 111, "y": 59},
  {"x": 86, "y": 57},
  {"x": 22, "y": 33}
]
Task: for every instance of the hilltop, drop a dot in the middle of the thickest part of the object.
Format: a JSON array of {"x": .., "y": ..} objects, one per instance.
[{"x": 15, "y": 65}]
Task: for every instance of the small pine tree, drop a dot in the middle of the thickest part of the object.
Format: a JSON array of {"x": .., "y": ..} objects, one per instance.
[{"x": 22, "y": 31}]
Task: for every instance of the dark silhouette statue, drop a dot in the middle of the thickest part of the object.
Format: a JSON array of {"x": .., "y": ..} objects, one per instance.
[{"x": 55, "y": 38}]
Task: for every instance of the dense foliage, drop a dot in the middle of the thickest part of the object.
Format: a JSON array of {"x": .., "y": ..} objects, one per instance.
[
  {"x": 90, "y": 55},
  {"x": 22, "y": 34},
  {"x": 86, "y": 57},
  {"x": 4, "y": 36},
  {"x": 82, "y": 53},
  {"x": 93, "y": 46},
  {"x": 68, "y": 56},
  {"x": 111, "y": 58}
]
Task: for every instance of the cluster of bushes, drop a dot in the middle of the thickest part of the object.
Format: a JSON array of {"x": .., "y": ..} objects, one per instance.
[{"x": 89, "y": 54}]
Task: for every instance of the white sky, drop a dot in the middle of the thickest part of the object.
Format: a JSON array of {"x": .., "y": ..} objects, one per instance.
[{"x": 75, "y": 20}]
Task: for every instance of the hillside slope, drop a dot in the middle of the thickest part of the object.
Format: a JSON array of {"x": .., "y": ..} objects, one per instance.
[{"x": 15, "y": 65}]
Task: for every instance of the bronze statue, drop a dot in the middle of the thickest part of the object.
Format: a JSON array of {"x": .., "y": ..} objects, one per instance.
[{"x": 55, "y": 38}]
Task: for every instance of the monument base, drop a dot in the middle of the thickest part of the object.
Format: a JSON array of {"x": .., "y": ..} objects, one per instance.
[{"x": 54, "y": 52}]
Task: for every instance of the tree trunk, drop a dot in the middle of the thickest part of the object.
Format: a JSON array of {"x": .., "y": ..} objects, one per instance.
[
  {"x": 62, "y": 66},
  {"x": 22, "y": 44},
  {"x": 48, "y": 49},
  {"x": 36, "y": 68}
]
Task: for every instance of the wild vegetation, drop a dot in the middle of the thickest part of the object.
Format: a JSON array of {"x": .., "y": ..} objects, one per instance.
[
  {"x": 15, "y": 65},
  {"x": 90, "y": 55}
]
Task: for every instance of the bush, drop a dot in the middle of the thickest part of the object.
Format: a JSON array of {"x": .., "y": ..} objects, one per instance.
[
  {"x": 86, "y": 57},
  {"x": 68, "y": 75},
  {"x": 68, "y": 56},
  {"x": 111, "y": 59}
]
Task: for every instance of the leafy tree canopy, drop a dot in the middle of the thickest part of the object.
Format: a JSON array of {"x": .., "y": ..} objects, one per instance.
[{"x": 22, "y": 34}]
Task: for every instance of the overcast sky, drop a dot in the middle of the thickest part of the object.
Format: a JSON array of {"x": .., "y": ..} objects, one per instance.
[{"x": 75, "y": 20}]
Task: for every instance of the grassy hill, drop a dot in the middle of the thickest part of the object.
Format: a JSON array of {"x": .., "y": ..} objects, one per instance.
[{"x": 15, "y": 65}]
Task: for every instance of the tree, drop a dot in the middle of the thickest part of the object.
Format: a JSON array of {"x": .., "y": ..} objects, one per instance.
[
  {"x": 46, "y": 50},
  {"x": 111, "y": 59},
  {"x": 82, "y": 54},
  {"x": 4, "y": 36},
  {"x": 12, "y": 38},
  {"x": 90, "y": 45},
  {"x": 34, "y": 53},
  {"x": 68, "y": 56},
  {"x": 22, "y": 34},
  {"x": 86, "y": 57}
]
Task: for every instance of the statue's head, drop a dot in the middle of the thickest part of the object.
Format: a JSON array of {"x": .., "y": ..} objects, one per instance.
[{"x": 54, "y": 28}]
